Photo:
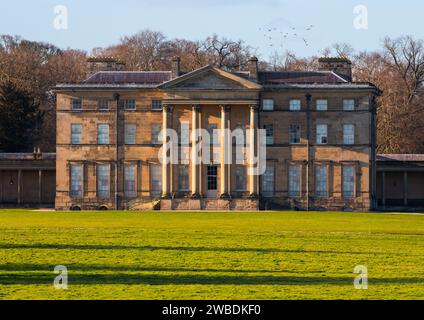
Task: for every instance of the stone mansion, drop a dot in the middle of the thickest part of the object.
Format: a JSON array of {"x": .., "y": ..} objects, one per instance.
[{"x": 320, "y": 138}]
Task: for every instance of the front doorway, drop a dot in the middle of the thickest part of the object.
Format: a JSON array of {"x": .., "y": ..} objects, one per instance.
[{"x": 212, "y": 181}]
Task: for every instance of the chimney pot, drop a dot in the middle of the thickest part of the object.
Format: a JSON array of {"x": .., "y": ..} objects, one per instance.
[
  {"x": 341, "y": 66},
  {"x": 253, "y": 68},
  {"x": 96, "y": 64},
  {"x": 176, "y": 67}
]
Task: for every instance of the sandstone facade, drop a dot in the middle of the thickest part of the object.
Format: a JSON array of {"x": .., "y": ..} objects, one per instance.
[{"x": 212, "y": 98}]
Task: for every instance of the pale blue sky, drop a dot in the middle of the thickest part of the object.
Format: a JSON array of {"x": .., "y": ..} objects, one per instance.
[{"x": 97, "y": 23}]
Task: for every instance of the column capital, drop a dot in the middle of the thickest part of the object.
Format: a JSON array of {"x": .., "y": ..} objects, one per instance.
[
  {"x": 196, "y": 107},
  {"x": 167, "y": 108},
  {"x": 254, "y": 107},
  {"x": 225, "y": 108}
]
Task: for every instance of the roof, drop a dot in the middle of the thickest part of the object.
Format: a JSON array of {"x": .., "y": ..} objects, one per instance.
[
  {"x": 300, "y": 77},
  {"x": 234, "y": 77},
  {"x": 319, "y": 80},
  {"x": 400, "y": 157},
  {"x": 105, "y": 59},
  {"x": 135, "y": 77},
  {"x": 334, "y": 59}
]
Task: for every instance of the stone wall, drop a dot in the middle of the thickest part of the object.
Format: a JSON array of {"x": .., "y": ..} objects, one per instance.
[{"x": 280, "y": 155}]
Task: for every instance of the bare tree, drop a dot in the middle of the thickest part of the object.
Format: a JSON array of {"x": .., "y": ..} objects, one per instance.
[{"x": 225, "y": 53}]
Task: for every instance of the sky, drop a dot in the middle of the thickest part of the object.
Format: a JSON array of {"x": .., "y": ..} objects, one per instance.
[{"x": 308, "y": 25}]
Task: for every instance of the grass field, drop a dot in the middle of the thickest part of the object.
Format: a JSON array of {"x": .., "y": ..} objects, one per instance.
[{"x": 135, "y": 255}]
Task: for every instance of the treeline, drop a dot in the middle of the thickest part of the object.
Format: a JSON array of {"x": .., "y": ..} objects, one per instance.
[{"x": 28, "y": 71}]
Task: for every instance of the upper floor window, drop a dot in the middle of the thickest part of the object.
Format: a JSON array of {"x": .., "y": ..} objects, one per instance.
[
  {"x": 76, "y": 133},
  {"x": 103, "y": 181},
  {"x": 322, "y": 137},
  {"x": 348, "y": 181},
  {"x": 269, "y": 128},
  {"x": 322, "y": 105},
  {"x": 213, "y": 134},
  {"x": 76, "y": 104},
  {"x": 295, "y": 105},
  {"x": 103, "y": 105},
  {"x": 294, "y": 181},
  {"x": 130, "y": 133},
  {"x": 239, "y": 135},
  {"x": 241, "y": 178},
  {"x": 129, "y": 104},
  {"x": 294, "y": 134},
  {"x": 129, "y": 182},
  {"x": 185, "y": 133},
  {"x": 156, "y": 105},
  {"x": 348, "y": 134},
  {"x": 268, "y": 105},
  {"x": 156, "y": 129},
  {"x": 103, "y": 134},
  {"x": 76, "y": 181},
  {"x": 185, "y": 155},
  {"x": 214, "y": 140},
  {"x": 348, "y": 105}
]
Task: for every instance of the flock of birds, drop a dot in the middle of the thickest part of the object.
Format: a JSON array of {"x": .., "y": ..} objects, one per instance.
[{"x": 274, "y": 33}]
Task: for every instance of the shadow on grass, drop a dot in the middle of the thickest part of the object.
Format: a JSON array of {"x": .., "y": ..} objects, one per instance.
[
  {"x": 157, "y": 279},
  {"x": 107, "y": 268},
  {"x": 169, "y": 248}
]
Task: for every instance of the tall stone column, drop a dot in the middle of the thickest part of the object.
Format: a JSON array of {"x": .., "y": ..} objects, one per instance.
[
  {"x": 195, "y": 158},
  {"x": 166, "y": 155},
  {"x": 253, "y": 150},
  {"x": 225, "y": 152}
]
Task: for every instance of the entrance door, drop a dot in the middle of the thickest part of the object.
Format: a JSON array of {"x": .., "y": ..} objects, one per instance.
[{"x": 212, "y": 175}]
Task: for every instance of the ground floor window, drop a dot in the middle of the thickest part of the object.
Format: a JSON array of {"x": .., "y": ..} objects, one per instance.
[
  {"x": 103, "y": 181},
  {"x": 268, "y": 182},
  {"x": 348, "y": 181},
  {"x": 212, "y": 178},
  {"x": 76, "y": 181},
  {"x": 183, "y": 179},
  {"x": 294, "y": 181},
  {"x": 156, "y": 180},
  {"x": 129, "y": 182},
  {"x": 241, "y": 178},
  {"x": 321, "y": 181}
]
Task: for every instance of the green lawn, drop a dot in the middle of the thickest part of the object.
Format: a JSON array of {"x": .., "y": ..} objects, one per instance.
[{"x": 136, "y": 255}]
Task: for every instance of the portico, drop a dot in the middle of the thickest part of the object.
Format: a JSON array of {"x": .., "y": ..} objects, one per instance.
[
  {"x": 209, "y": 174},
  {"x": 217, "y": 102}
]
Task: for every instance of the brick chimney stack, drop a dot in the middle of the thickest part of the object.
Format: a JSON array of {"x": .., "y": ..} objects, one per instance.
[
  {"x": 253, "y": 68},
  {"x": 96, "y": 64},
  {"x": 341, "y": 66},
  {"x": 176, "y": 67}
]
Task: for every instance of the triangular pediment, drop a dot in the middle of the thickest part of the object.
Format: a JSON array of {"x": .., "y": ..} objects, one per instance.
[{"x": 210, "y": 78}]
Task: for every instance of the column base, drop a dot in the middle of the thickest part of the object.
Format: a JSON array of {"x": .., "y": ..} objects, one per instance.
[
  {"x": 225, "y": 196},
  {"x": 166, "y": 196},
  {"x": 253, "y": 196},
  {"x": 196, "y": 196}
]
